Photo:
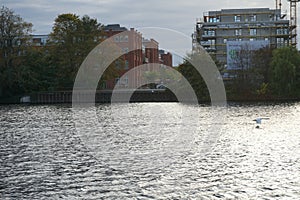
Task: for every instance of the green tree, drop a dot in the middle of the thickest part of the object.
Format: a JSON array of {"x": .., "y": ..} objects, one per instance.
[
  {"x": 252, "y": 76},
  {"x": 285, "y": 72},
  {"x": 195, "y": 79},
  {"x": 64, "y": 48},
  {"x": 151, "y": 76},
  {"x": 243, "y": 84},
  {"x": 72, "y": 39},
  {"x": 36, "y": 73},
  {"x": 15, "y": 33},
  {"x": 262, "y": 59},
  {"x": 261, "y": 70}
]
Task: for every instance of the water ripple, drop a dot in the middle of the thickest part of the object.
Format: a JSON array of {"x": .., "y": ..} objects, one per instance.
[{"x": 139, "y": 154}]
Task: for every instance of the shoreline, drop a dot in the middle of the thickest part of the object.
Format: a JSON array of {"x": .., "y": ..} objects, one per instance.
[{"x": 137, "y": 97}]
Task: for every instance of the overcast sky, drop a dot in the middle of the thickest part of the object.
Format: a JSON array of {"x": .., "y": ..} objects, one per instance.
[{"x": 179, "y": 15}]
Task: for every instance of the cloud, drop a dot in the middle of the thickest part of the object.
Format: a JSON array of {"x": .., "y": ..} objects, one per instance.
[
  {"x": 168, "y": 13},
  {"x": 174, "y": 14}
]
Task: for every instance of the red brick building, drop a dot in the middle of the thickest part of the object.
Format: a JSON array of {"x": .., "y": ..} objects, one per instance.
[
  {"x": 166, "y": 58},
  {"x": 132, "y": 40},
  {"x": 146, "y": 51},
  {"x": 150, "y": 49}
]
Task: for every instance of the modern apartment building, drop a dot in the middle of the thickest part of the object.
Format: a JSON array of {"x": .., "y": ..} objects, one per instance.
[{"x": 221, "y": 31}]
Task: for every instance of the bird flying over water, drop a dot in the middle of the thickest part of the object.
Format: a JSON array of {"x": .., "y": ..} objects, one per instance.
[{"x": 259, "y": 119}]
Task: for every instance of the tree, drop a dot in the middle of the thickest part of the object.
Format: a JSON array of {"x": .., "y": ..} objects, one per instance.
[
  {"x": 251, "y": 71},
  {"x": 195, "y": 79},
  {"x": 36, "y": 73},
  {"x": 72, "y": 39},
  {"x": 15, "y": 33},
  {"x": 64, "y": 38},
  {"x": 262, "y": 63},
  {"x": 285, "y": 68},
  {"x": 244, "y": 82},
  {"x": 151, "y": 76},
  {"x": 261, "y": 70}
]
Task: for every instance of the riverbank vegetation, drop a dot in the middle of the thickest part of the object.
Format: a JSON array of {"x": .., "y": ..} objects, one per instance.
[
  {"x": 27, "y": 68},
  {"x": 274, "y": 74}
]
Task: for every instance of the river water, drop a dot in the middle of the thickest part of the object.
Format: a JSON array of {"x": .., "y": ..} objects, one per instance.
[{"x": 150, "y": 151}]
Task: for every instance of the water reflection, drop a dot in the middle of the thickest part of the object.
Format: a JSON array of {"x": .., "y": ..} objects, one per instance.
[{"x": 42, "y": 155}]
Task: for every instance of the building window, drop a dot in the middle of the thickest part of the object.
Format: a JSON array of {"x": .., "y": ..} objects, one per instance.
[
  {"x": 225, "y": 41},
  {"x": 237, "y": 18},
  {"x": 252, "y": 39},
  {"x": 117, "y": 39},
  {"x": 282, "y": 31},
  {"x": 118, "y": 64},
  {"x": 125, "y": 81},
  {"x": 125, "y": 38},
  {"x": 126, "y": 64},
  {"x": 253, "y": 31},
  {"x": 117, "y": 81},
  {"x": 280, "y": 40},
  {"x": 209, "y": 33},
  {"x": 278, "y": 31},
  {"x": 238, "y": 32},
  {"x": 286, "y": 31},
  {"x": 266, "y": 39},
  {"x": 212, "y": 42},
  {"x": 253, "y": 18},
  {"x": 125, "y": 50},
  {"x": 214, "y": 19}
]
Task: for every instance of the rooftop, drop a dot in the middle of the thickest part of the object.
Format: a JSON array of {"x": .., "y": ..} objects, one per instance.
[{"x": 114, "y": 27}]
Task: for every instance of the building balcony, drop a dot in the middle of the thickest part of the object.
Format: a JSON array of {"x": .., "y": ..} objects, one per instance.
[
  {"x": 235, "y": 25},
  {"x": 208, "y": 36},
  {"x": 210, "y": 48},
  {"x": 206, "y": 43}
]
